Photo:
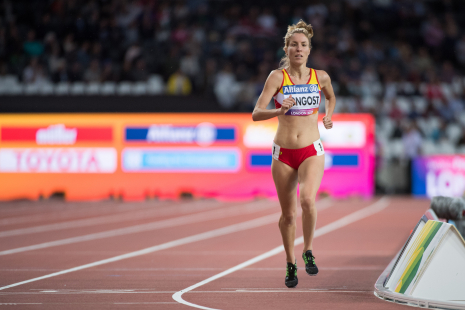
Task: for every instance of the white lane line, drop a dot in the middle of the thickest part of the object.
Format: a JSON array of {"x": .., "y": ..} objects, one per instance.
[
  {"x": 261, "y": 221},
  {"x": 70, "y": 210},
  {"x": 346, "y": 220},
  {"x": 19, "y": 303},
  {"x": 88, "y": 292},
  {"x": 342, "y": 268},
  {"x": 146, "y": 303},
  {"x": 173, "y": 222},
  {"x": 277, "y": 290},
  {"x": 126, "y": 215},
  {"x": 108, "y": 219},
  {"x": 297, "y": 291}
]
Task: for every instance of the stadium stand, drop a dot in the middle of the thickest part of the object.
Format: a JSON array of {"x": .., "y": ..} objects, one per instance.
[{"x": 403, "y": 61}]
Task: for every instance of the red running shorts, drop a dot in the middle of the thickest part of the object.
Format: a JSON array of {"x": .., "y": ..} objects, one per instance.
[{"x": 295, "y": 157}]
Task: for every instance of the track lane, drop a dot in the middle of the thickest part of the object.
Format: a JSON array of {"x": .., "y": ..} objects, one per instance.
[
  {"x": 259, "y": 240},
  {"x": 356, "y": 216},
  {"x": 155, "y": 277},
  {"x": 380, "y": 244},
  {"x": 81, "y": 212},
  {"x": 124, "y": 225}
]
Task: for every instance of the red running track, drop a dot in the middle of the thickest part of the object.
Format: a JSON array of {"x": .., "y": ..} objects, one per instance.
[{"x": 350, "y": 257}]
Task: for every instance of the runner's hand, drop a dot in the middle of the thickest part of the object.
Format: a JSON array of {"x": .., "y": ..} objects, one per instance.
[
  {"x": 287, "y": 104},
  {"x": 327, "y": 122}
]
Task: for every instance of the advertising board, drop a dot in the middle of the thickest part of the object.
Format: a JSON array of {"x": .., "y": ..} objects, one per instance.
[
  {"x": 442, "y": 175},
  {"x": 139, "y": 156}
]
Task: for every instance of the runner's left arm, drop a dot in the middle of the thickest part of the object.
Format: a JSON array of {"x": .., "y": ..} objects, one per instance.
[{"x": 330, "y": 98}]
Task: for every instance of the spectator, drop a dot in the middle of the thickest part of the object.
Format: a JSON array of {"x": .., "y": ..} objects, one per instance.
[
  {"x": 434, "y": 89},
  {"x": 128, "y": 13},
  {"x": 61, "y": 73},
  {"x": 132, "y": 53},
  {"x": 179, "y": 84},
  {"x": 82, "y": 55},
  {"x": 267, "y": 21},
  {"x": 229, "y": 46},
  {"x": 108, "y": 73},
  {"x": 139, "y": 72},
  {"x": 32, "y": 47},
  {"x": 423, "y": 61},
  {"x": 189, "y": 64},
  {"x": 126, "y": 72},
  {"x": 92, "y": 74},
  {"x": 33, "y": 73},
  {"x": 433, "y": 33},
  {"x": 225, "y": 88},
  {"x": 447, "y": 72},
  {"x": 75, "y": 73},
  {"x": 55, "y": 60},
  {"x": 411, "y": 141},
  {"x": 69, "y": 45},
  {"x": 131, "y": 33},
  {"x": 460, "y": 51}
]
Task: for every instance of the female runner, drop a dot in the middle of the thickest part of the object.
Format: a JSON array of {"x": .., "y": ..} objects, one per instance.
[{"x": 298, "y": 154}]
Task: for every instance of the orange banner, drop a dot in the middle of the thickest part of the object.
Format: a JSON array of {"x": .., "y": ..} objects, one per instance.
[{"x": 140, "y": 156}]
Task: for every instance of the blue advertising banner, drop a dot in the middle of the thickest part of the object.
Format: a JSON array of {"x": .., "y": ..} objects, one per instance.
[
  {"x": 181, "y": 160},
  {"x": 442, "y": 175}
]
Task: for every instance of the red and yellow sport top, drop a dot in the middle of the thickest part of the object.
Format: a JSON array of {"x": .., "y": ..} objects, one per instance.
[{"x": 307, "y": 96}]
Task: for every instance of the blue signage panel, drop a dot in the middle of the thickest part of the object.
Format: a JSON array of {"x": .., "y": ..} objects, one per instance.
[
  {"x": 202, "y": 134},
  {"x": 181, "y": 160}
]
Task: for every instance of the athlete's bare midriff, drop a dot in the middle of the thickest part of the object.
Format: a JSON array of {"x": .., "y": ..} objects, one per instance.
[{"x": 295, "y": 132}]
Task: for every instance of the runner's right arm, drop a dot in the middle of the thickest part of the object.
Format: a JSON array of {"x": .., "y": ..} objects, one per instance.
[{"x": 272, "y": 85}]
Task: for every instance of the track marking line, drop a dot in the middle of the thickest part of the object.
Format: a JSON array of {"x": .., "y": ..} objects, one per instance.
[
  {"x": 297, "y": 291},
  {"x": 19, "y": 303},
  {"x": 68, "y": 211},
  {"x": 146, "y": 303},
  {"x": 277, "y": 290},
  {"x": 378, "y": 206},
  {"x": 129, "y": 215},
  {"x": 261, "y": 221},
  {"x": 341, "y": 268},
  {"x": 281, "y": 288},
  {"x": 164, "y": 208},
  {"x": 172, "y": 222}
]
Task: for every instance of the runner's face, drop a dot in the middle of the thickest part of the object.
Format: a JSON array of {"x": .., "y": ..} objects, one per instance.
[{"x": 298, "y": 49}]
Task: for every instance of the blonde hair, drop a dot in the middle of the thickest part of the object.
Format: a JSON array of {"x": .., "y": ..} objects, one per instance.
[{"x": 300, "y": 27}]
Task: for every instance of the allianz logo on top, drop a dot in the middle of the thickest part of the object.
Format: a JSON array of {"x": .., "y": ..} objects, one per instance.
[
  {"x": 203, "y": 134},
  {"x": 56, "y": 134},
  {"x": 300, "y": 89}
]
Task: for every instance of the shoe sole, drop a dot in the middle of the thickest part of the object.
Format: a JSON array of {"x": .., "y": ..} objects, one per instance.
[
  {"x": 291, "y": 285},
  {"x": 311, "y": 274}
]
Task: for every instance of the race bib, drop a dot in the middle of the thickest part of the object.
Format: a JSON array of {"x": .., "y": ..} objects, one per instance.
[
  {"x": 276, "y": 150},
  {"x": 306, "y": 96},
  {"x": 319, "y": 147}
]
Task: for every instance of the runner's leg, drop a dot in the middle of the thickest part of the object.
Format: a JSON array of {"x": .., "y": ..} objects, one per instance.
[
  {"x": 310, "y": 174},
  {"x": 285, "y": 179}
]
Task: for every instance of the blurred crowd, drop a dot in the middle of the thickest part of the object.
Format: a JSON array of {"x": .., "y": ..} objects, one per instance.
[{"x": 401, "y": 60}]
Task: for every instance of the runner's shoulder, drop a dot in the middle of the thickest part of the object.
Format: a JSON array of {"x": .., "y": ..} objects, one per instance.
[
  {"x": 276, "y": 77},
  {"x": 323, "y": 76}
]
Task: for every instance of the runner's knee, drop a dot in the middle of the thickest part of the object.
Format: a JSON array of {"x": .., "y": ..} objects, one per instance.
[
  {"x": 288, "y": 219},
  {"x": 307, "y": 203}
]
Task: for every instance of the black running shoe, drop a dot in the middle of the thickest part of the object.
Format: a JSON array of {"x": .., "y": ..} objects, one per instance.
[
  {"x": 291, "y": 275},
  {"x": 310, "y": 265}
]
